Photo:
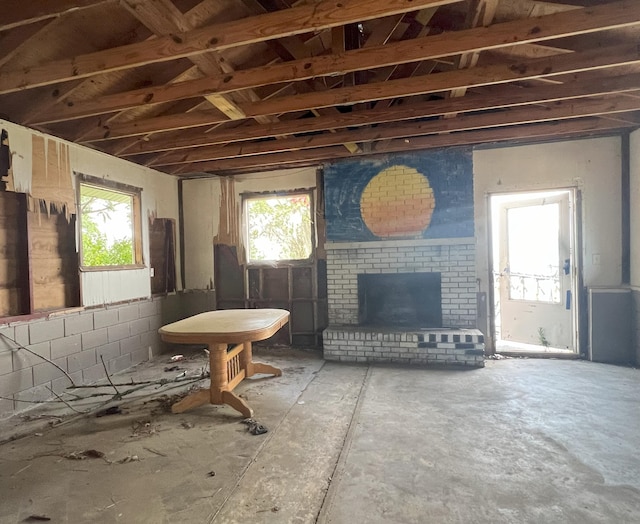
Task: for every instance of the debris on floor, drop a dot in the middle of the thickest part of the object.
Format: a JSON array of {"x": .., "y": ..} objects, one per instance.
[
  {"x": 166, "y": 401},
  {"x": 156, "y": 452},
  {"x": 127, "y": 459},
  {"x": 37, "y": 518},
  {"x": 176, "y": 358},
  {"x": 86, "y": 454},
  {"x": 254, "y": 427},
  {"x": 113, "y": 410},
  {"x": 143, "y": 429}
]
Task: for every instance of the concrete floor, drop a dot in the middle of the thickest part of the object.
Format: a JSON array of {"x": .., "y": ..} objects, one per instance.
[{"x": 519, "y": 441}]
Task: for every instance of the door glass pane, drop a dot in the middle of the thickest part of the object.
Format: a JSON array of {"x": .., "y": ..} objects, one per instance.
[{"x": 533, "y": 251}]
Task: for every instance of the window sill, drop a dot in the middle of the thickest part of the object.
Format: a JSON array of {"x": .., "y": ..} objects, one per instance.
[
  {"x": 132, "y": 267},
  {"x": 28, "y": 317},
  {"x": 280, "y": 263}
]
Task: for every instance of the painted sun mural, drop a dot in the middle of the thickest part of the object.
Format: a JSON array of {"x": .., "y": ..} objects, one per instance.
[
  {"x": 420, "y": 195},
  {"x": 397, "y": 202}
]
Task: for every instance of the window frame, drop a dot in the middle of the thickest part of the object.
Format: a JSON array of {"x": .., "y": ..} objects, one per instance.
[
  {"x": 136, "y": 218},
  {"x": 246, "y": 197}
]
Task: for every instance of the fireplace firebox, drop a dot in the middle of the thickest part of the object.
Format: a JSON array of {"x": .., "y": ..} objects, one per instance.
[{"x": 400, "y": 300}]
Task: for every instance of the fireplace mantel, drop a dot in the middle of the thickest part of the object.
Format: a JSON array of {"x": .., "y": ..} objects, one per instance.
[{"x": 404, "y": 243}]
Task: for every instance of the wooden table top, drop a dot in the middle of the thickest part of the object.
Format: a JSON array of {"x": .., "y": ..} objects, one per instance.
[{"x": 226, "y": 326}]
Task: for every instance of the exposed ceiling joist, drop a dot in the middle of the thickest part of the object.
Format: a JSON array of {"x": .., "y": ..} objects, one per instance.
[
  {"x": 296, "y": 20},
  {"x": 620, "y": 14},
  {"x": 15, "y": 13},
  {"x": 434, "y": 83},
  {"x": 486, "y": 102},
  {"x": 559, "y": 111},
  {"x": 321, "y": 79},
  {"x": 163, "y": 18},
  {"x": 524, "y": 132}
]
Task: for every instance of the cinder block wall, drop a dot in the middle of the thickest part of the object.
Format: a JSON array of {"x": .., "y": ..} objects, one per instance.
[
  {"x": 124, "y": 335},
  {"x": 453, "y": 259}
]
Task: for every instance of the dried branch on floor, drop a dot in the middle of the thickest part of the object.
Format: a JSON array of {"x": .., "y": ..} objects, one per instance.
[
  {"x": 178, "y": 381},
  {"x": 121, "y": 384},
  {"x": 117, "y": 396},
  {"x": 65, "y": 402}
]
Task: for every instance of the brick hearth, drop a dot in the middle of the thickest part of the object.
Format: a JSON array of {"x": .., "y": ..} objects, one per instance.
[{"x": 452, "y": 347}]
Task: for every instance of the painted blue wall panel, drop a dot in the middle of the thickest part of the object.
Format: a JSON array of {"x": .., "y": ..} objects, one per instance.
[{"x": 449, "y": 173}]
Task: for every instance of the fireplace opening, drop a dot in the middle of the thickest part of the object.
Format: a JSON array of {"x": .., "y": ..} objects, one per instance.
[{"x": 400, "y": 300}]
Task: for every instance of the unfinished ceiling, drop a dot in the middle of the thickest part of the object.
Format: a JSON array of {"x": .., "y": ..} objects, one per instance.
[{"x": 224, "y": 86}]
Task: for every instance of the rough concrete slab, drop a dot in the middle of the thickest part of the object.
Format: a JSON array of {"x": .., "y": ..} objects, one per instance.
[
  {"x": 287, "y": 480},
  {"x": 521, "y": 441},
  {"x": 172, "y": 481}
]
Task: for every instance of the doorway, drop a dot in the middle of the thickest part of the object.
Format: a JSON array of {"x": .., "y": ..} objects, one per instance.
[{"x": 534, "y": 272}]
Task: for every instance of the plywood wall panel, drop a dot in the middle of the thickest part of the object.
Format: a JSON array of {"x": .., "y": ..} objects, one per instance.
[
  {"x": 54, "y": 261},
  {"x": 14, "y": 291}
]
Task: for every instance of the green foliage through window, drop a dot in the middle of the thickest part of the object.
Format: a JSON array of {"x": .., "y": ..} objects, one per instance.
[
  {"x": 107, "y": 228},
  {"x": 279, "y": 227}
]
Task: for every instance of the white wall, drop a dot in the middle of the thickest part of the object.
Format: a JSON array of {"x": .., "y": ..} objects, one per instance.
[
  {"x": 159, "y": 198},
  {"x": 201, "y": 212},
  {"x": 592, "y": 165},
  {"x": 202, "y": 209}
]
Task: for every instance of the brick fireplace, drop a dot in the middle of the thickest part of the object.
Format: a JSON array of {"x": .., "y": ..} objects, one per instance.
[
  {"x": 348, "y": 339},
  {"x": 401, "y": 277}
]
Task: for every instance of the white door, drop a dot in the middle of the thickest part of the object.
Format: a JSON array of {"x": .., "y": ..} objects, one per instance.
[{"x": 534, "y": 276}]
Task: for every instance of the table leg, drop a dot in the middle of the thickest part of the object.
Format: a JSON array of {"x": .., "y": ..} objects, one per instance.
[
  {"x": 218, "y": 370},
  {"x": 192, "y": 401},
  {"x": 251, "y": 368},
  {"x": 233, "y": 400},
  {"x": 218, "y": 373}
]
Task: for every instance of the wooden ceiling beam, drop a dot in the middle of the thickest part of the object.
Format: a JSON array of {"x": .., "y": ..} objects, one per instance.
[
  {"x": 293, "y": 46},
  {"x": 297, "y": 20},
  {"x": 434, "y": 83},
  {"x": 11, "y": 42},
  {"x": 314, "y": 156},
  {"x": 559, "y": 111},
  {"x": 519, "y": 133},
  {"x": 156, "y": 124},
  {"x": 481, "y": 14},
  {"x": 383, "y": 29},
  {"x": 557, "y": 25},
  {"x": 522, "y": 96},
  {"x": 163, "y": 18},
  {"x": 162, "y": 141},
  {"x": 15, "y": 13}
]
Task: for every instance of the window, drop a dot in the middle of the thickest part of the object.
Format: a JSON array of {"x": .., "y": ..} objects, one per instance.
[
  {"x": 110, "y": 224},
  {"x": 279, "y": 227}
]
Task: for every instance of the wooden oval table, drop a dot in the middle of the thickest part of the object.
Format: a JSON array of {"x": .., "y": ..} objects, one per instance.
[{"x": 229, "y": 366}]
